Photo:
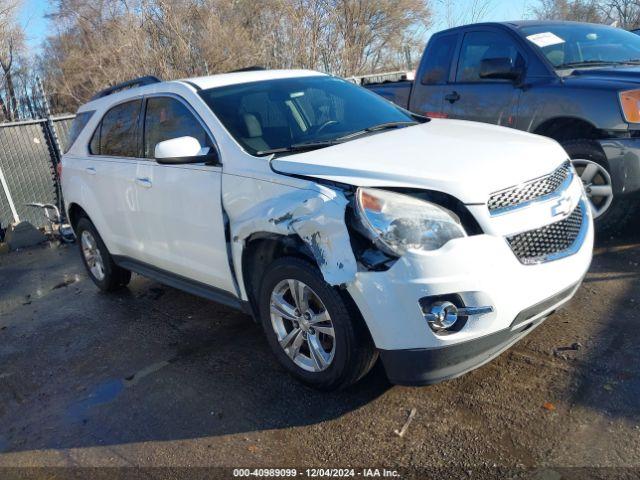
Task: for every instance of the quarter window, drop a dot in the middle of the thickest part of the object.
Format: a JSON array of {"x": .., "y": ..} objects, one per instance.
[
  {"x": 116, "y": 136},
  {"x": 167, "y": 118},
  {"x": 78, "y": 124},
  {"x": 479, "y": 46}
]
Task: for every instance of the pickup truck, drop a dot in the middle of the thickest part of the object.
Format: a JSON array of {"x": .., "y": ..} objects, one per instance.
[
  {"x": 576, "y": 83},
  {"x": 308, "y": 203}
]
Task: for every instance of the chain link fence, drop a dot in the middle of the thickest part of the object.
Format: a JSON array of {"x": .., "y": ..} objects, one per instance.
[{"x": 28, "y": 157}]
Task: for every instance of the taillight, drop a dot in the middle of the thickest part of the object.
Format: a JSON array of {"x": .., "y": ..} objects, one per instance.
[{"x": 59, "y": 170}]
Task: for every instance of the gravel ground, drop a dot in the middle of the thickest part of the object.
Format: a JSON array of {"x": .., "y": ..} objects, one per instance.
[{"x": 152, "y": 376}]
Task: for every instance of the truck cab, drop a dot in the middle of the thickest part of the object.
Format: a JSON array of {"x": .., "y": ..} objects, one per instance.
[{"x": 573, "y": 82}]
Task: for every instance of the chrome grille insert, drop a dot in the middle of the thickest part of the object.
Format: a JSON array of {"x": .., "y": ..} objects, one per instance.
[
  {"x": 534, "y": 190},
  {"x": 551, "y": 242}
]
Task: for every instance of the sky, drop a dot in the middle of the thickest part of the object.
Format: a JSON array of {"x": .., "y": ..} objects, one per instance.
[{"x": 32, "y": 16}]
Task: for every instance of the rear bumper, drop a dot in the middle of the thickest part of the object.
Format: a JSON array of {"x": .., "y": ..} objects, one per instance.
[
  {"x": 623, "y": 155},
  {"x": 426, "y": 366}
]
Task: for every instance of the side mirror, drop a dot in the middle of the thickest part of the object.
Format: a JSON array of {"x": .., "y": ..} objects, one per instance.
[
  {"x": 183, "y": 150},
  {"x": 499, "y": 68}
]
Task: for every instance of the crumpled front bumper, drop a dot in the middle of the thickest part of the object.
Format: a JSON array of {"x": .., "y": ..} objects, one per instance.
[{"x": 481, "y": 270}]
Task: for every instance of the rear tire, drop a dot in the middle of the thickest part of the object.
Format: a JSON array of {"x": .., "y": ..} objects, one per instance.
[
  {"x": 611, "y": 213},
  {"x": 98, "y": 261},
  {"x": 319, "y": 337}
]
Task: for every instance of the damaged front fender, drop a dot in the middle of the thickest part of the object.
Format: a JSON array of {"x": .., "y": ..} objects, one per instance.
[{"x": 318, "y": 218}]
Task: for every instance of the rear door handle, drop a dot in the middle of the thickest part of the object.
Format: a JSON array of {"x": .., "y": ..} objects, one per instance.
[
  {"x": 144, "y": 182},
  {"x": 452, "y": 97},
  {"x": 90, "y": 170}
]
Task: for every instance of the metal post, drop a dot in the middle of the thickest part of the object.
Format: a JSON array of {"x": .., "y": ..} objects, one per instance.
[
  {"x": 52, "y": 131},
  {"x": 12, "y": 205},
  {"x": 54, "y": 142}
]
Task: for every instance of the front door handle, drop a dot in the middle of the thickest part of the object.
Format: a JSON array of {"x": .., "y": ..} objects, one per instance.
[
  {"x": 144, "y": 182},
  {"x": 90, "y": 170},
  {"x": 452, "y": 97}
]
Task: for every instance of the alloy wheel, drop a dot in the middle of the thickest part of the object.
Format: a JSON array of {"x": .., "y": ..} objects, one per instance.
[
  {"x": 92, "y": 255},
  {"x": 302, "y": 325},
  {"x": 597, "y": 184}
]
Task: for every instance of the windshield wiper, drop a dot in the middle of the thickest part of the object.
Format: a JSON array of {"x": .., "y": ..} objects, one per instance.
[
  {"x": 299, "y": 147},
  {"x": 378, "y": 128},
  {"x": 587, "y": 63},
  {"x": 303, "y": 147}
]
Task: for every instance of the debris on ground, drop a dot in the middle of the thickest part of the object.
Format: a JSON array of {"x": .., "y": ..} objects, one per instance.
[
  {"x": 65, "y": 283},
  {"x": 22, "y": 235},
  {"x": 574, "y": 347},
  {"x": 549, "y": 406},
  {"x": 404, "y": 428}
]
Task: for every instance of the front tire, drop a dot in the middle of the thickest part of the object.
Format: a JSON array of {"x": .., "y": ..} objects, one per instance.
[
  {"x": 98, "y": 261},
  {"x": 315, "y": 332},
  {"x": 610, "y": 213}
]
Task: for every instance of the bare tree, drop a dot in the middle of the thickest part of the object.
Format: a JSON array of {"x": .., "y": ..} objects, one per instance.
[
  {"x": 101, "y": 42},
  {"x": 626, "y": 13},
  {"x": 456, "y": 12},
  {"x": 573, "y": 10},
  {"x": 11, "y": 42}
]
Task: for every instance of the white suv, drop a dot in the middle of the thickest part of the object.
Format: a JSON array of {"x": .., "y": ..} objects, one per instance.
[{"x": 347, "y": 226}]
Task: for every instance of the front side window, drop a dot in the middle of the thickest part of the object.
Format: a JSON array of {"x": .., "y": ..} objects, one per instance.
[
  {"x": 570, "y": 46},
  {"x": 285, "y": 113},
  {"x": 479, "y": 46},
  {"x": 116, "y": 136},
  {"x": 438, "y": 60},
  {"x": 167, "y": 118}
]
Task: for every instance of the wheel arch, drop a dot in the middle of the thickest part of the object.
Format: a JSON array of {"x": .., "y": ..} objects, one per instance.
[
  {"x": 567, "y": 128},
  {"x": 75, "y": 213},
  {"x": 263, "y": 248}
]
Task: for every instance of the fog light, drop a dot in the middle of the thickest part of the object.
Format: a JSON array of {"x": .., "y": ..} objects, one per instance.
[{"x": 442, "y": 316}]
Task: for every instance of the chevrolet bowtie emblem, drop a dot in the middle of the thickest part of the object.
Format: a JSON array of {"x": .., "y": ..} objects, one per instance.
[{"x": 562, "y": 207}]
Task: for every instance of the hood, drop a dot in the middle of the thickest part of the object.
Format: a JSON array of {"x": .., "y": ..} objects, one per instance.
[
  {"x": 606, "y": 75},
  {"x": 465, "y": 159}
]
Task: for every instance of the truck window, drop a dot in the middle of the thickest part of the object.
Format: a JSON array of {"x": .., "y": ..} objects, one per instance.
[
  {"x": 168, "y": 118},
  {"x": 438, "y": 60},
  {"x": 478, "y": 46},
  {"x": 116, "y": 136}
]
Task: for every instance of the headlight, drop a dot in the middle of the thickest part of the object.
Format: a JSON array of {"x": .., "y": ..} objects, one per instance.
[
  {"x": 397, "y": 223},
  {"x": 630, "y": 101}
]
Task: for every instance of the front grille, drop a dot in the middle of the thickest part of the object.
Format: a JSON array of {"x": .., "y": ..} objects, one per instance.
[
  {"x": 540, "y": 245},
  {"x": 514, "y": 196}
]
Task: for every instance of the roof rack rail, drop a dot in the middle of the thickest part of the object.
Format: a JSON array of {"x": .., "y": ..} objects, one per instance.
[
  {"x": 136, "y": 82},
  {"x": 254, "y": 68}
]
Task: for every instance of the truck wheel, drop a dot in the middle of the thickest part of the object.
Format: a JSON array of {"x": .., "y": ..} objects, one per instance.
[
  {"x": 97, "y": 259},
  {"x": 315, "y": 332},
  {"x": 609, "y": 212}
]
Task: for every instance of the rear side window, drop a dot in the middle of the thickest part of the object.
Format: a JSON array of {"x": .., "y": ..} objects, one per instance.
[
  {"x": 116, "y": 136},
  {"x": 77, "y": 126},
  {"x": 479, "y": 46},
  {"x": 438, "y": 60},
  {"x": 168, "y": 118}
]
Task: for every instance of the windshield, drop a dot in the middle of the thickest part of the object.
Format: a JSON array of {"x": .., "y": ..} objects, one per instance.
[
  {"x": 287, "y": 113},
  {"x": 584, "y": 45}
]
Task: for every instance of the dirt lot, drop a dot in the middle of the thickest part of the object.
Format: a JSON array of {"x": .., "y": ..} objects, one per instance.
[{"x": 155, "y": 377}]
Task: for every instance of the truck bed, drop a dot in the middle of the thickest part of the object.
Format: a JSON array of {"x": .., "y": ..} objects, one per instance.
[{"x": 396, "y": 92}]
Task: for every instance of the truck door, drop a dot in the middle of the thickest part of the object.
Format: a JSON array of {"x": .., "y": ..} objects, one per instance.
[
  {"x": 470, "y": 97},
  {"x": 427, "y": 94}
]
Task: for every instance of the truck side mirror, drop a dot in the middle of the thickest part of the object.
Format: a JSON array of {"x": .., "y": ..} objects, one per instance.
[
  {"x": 499, "y": 68},
  {"x": 183, "y": 150}
]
